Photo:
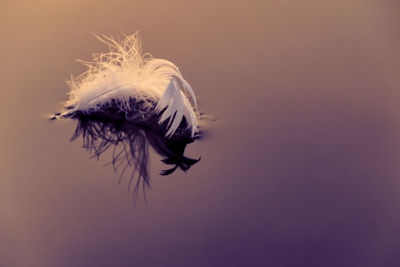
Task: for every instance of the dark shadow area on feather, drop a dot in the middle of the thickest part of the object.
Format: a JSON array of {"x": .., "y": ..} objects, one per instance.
[{"x": 129, "y": 134}]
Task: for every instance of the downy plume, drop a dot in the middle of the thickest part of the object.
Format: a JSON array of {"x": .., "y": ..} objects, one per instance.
[
  {"x": 125, "y": 73},
  {"x": 130, "y": 101}
]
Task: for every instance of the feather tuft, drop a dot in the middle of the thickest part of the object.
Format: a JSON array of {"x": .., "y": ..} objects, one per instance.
[{"x": 125, "y": 73}]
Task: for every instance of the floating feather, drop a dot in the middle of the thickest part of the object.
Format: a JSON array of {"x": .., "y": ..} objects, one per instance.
[
  {"x": 125, "y": 73},
  {"x": 129, "y": 98}
]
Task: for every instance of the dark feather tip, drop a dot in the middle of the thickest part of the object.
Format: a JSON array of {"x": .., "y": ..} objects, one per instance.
[{"x": 169, "y": 171}]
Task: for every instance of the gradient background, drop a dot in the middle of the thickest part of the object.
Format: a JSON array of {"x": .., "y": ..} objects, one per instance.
[{"x": 302, "y": 169}]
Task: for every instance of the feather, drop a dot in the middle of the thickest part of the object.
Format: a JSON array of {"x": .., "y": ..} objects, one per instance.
[
  {"x": 131, "y": 101},
  {"x": 124, "y": 73}
]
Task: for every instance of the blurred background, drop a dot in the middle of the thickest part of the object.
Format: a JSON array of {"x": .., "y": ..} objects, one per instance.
[{"x": 302, "y": 168}]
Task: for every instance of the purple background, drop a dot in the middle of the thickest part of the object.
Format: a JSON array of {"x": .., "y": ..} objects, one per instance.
[{"x": 302, "y": 168}]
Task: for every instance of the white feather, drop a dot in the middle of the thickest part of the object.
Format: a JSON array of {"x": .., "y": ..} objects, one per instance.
[{"x": 125, "y": 72}]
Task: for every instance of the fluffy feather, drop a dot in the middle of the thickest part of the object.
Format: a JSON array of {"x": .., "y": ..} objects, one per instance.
[{"x": 125, "y": 73}]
